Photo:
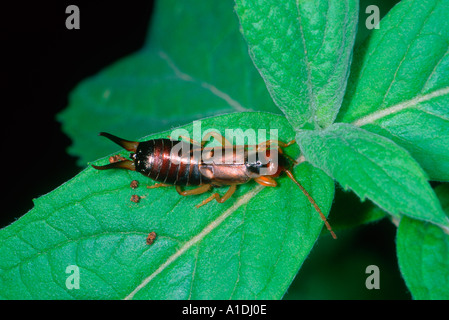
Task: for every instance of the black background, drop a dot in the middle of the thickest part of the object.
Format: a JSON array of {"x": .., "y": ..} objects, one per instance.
[{"x": 42, "y": 61}]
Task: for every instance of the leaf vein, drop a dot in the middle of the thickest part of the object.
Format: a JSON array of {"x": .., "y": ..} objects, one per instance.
[
  {"x": 399, "y": 107},
  {"x": 374, "y": 165},
  {"x": 242, "y": 239},
  {"x": 434, "y": 70},
  {"x": 193, "y": 272},
  {"x": 214, "y": 224},
  {"x": 210, "y": 87},
  {"x": 405, "y": 55}
]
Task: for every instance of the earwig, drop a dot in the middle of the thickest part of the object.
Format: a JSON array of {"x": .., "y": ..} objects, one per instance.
[{"x": 157, "y": 160}]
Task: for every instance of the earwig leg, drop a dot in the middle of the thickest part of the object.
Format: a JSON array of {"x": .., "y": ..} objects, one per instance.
[
  {"x": 285, "y": 145},
  {"x": 158, "y": 185},
  {"x": 217, "y": 136},
  {"x": 201, "y": 189},
  {"x": 217, "y": 197},
  {"x": 279, "y": 144},
  {"x": 266, "y": 181},
  {"x": 188, "y": 139}
]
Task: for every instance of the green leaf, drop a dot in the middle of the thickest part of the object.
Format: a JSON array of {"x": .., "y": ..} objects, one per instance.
[
  {"x": 348, "y": 211},
  {"x": 303, "y": 50},
  {"x": 373, "y": 167},
  {"x": 249, "y": 247},
  {"x": 194, "y": 64},
  {"x": 399, "y": 85},
  {"x": 423, "y": 254}
]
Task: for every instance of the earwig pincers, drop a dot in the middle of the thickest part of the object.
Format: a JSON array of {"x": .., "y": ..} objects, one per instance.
[{"x": 165, "y": 161}]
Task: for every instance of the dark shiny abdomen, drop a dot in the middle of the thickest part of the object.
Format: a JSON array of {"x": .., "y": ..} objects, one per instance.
[{"x": 165, "y": 161}]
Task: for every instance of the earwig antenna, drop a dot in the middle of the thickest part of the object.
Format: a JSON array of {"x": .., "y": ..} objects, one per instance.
[
  {"x": 328, "y": 226},
  {"x": 128, "y": 145}
]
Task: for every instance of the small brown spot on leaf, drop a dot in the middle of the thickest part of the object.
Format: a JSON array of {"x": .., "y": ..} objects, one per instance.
[
  {"x": 134, "y": 184},
  {"x": 135, "y": 198},
  {"x": 150, "y": 238}
]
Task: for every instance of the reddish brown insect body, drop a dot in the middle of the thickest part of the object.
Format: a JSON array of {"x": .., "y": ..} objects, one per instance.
[{"x": 167, "y": 162}]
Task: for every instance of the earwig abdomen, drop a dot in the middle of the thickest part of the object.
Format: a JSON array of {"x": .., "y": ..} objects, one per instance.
[{"x": 170, "y": 162}]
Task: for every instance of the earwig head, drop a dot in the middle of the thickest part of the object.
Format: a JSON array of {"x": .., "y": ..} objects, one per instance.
[
  {"x": 268, "y": 164},
  {"x": 128, "y": 145},
  {"x": 284, "y": 164}
]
